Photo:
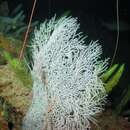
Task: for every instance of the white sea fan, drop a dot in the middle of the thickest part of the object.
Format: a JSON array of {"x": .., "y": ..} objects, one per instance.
[{"x": 67, "y": 90}]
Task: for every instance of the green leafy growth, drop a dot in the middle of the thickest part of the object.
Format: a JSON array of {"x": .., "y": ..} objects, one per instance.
[
  {"x": 17, "y": 9},
  {"x": 20, "y": 69},
  {"x": 109, "y": 72},
  {"x": 14, "y": 25},
  {"x": 67, "y": 13},
  {"x": 112, "y": 80},
  {"x": 123, "y": 102}
]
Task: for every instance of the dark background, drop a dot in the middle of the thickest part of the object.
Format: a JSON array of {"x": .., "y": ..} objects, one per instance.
[{"x": 91, "y": 15}]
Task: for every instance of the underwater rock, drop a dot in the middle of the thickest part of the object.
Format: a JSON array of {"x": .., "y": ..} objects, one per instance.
[{"x": 13, "y": 91}]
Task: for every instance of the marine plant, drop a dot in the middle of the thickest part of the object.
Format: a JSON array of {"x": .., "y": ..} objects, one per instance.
[
  {"x": 125, "y": 98},
  {"x": 67, "y": 87},
  {"x": 111, "y": 79},
  {"x": 19, "y": 68},
  {"x": 12, "y": 31},
  {"x": 14, "y": 24}
]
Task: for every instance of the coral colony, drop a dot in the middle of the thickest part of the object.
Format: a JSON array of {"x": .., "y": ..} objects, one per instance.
[{"x": 67, "y": 89}]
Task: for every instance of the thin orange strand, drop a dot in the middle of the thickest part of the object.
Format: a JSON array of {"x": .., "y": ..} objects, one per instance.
[{"x": 26, "y": 34}]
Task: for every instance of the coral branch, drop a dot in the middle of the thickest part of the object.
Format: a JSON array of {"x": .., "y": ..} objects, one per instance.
[{"x": 74, "y": 92}]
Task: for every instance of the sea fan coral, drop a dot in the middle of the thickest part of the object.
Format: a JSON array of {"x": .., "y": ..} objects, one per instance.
[{"x": 67, "y": 90}]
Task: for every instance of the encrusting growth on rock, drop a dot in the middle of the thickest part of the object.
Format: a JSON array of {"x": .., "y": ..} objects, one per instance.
[{"x": 67, "y": 89}]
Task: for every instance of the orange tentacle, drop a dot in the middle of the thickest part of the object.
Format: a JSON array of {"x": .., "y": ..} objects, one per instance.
[{"x": 26, "y": 34}]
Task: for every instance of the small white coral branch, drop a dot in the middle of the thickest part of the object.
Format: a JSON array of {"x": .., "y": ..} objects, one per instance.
[{"x": 67, "y": 90}]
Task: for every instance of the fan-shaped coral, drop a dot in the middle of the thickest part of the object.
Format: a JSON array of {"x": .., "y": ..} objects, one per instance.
[{"x": 67, "y": 89}]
